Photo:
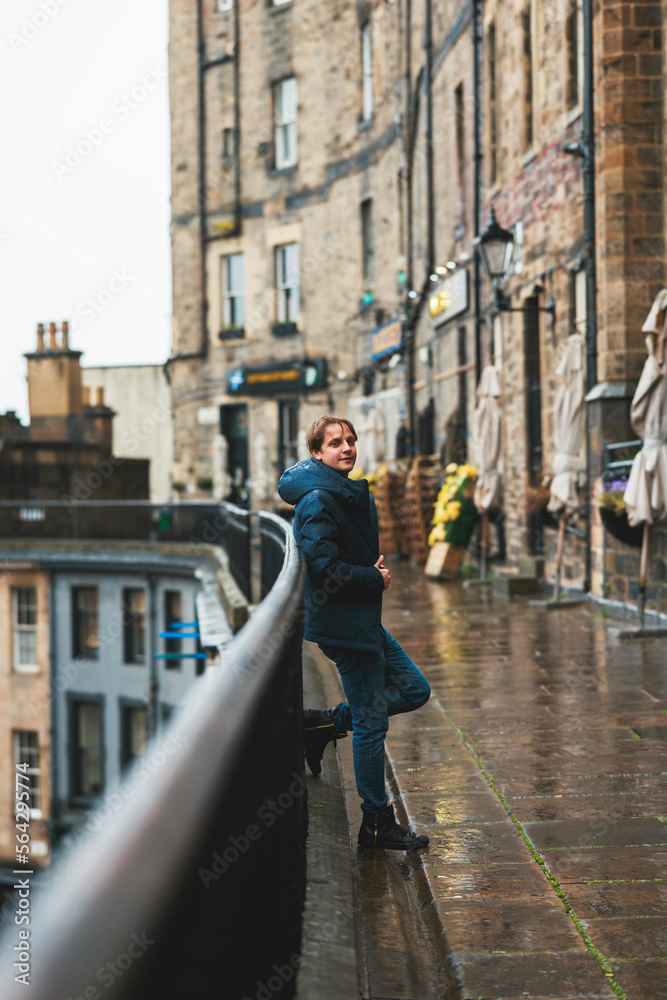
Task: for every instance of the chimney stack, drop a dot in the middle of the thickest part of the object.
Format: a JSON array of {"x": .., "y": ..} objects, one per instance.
[
  {"x": 40, "y": 336},
  {"x": 100, "y": 396},
  {"x": 52, "y": 337},
  {"x": 64, "y": 335},
  {"x": 85, "y": 395}
]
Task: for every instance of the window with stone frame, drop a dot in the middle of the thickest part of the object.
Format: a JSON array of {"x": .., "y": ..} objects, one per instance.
[
  {"x": 288, "y": 282},
  {"x": 493, "y": 106},
  {"x": 86, "y": 747},
  {"x": 285, "y": 134},
  {"x": 367, "y": 249},
  {"x": 574, "y": 33},
  {"x": 133, "y": 731},
  {"x": 134, "y": 625},
  {"x": 233, "y": 291},
  {"x": 24, "y": 628},
  {"x": 26, "y": 751},
  {"x": 367, "y": 81},
  {"x": 528, "y": 81},
  {"x": 85, "y": 623}
]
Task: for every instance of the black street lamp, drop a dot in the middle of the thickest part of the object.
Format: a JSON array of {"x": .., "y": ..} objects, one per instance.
[{"x": 496, "y": 248}]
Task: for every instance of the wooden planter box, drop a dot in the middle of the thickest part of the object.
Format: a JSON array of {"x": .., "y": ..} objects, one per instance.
[
  {"x": 617, "y": 525},
  {"x": 444, "y": 561}
]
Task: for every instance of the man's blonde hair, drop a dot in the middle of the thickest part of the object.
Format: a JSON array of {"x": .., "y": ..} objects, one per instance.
[{"x": 315, "y": 433}]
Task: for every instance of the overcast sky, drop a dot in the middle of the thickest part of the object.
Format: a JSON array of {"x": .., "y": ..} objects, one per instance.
[{"x": 84, "y": 181}]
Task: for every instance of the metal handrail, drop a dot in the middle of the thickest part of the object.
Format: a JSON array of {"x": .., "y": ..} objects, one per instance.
[
  {"x": 138, "y": 873},
  {"x": 621, "y": 463}
]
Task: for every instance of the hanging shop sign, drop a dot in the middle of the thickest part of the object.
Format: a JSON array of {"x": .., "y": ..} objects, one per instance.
[
  {"x": 387, "y": 338},
  {"x": 450, "y": 298},
  {"x": 283, "y": 376}
]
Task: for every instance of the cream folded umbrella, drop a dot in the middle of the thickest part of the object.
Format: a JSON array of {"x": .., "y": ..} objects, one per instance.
[
  {"x": 486, "y": 450},
  {"x": 646, "y": 493},
  {"x": 569, "y": 428}
]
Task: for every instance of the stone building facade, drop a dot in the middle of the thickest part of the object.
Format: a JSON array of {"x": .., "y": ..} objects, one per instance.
[{"x": 380, "y": 197}]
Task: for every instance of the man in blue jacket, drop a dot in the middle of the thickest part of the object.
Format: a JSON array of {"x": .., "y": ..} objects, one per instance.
[{"x": 336, "y": 527}]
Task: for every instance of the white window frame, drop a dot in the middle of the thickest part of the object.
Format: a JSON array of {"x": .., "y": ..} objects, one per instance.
[
  {"x": 280, "y": 3},
  {"x": 22, "y": 628},
  {"x": 222, "y": 6},
  {"x": 288, "y": 282},
  {"x": 367, "y": 82},
  {"x": 26, "y": 754},
  {"x": 232, "y": 294},
  {"x": 285, "y": 118}
]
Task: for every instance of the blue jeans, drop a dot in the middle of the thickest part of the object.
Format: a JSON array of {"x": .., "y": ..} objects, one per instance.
[{"x": 376, "y": 686}]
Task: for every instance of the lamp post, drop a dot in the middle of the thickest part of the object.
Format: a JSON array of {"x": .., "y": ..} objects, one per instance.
[{"x": 496, "y": 248}]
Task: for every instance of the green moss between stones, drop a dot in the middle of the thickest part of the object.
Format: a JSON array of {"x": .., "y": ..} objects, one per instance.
[{"x": 602, "y": 960}]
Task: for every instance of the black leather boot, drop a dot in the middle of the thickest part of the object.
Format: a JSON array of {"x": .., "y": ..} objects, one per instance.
[
  {"x": 380, "y": 829},
  {"x": 319, "y": 728}
]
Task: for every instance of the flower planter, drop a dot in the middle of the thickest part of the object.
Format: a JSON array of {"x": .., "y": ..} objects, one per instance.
[
  {"x": 617, "y": 525},
  {"x": 444, "y": 561}
]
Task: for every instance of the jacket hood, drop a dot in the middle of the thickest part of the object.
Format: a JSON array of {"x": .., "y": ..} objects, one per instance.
[{"x": 313, "y": 474}]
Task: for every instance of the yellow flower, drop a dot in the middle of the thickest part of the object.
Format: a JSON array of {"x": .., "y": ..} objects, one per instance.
[
  {"x": 356, "y": 474},
  {"x": 452, "y": 467}
]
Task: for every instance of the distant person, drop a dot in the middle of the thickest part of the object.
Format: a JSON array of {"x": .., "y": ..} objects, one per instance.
[{"x": 336, "y": 527}]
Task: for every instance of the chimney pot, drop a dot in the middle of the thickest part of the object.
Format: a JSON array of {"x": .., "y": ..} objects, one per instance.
[
  {"x": 100, "y": 396},
  {"x": 64, "y": 330},
  {"x": 40, "y": 336},
  {"x": 52, "y": 337},
  {"x": 85, "y": 395}
]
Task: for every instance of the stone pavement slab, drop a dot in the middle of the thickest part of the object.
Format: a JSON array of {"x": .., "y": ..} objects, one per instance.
[{"x": 557, "y": 789}]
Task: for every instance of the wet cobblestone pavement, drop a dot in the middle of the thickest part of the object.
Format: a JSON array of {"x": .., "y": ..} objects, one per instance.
[{"x": 539, "y": 770}]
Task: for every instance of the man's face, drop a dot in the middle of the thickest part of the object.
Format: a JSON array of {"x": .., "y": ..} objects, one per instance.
[{"x": 339, "y": 449}]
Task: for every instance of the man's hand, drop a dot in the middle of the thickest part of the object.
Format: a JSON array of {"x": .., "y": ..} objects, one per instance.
[{"x": 386, "y": 575}]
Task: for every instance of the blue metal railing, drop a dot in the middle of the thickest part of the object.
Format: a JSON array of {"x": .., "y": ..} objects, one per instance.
[
  {"x": 193, "y": 886},
  {"x": 623, "y": 463}
]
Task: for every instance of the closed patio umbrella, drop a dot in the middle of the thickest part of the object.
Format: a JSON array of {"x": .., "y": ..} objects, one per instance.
[
  {"x": 646, "y": 493},
  {"x": 569, "y": 428},
  {"x": 486, "y": 451}
]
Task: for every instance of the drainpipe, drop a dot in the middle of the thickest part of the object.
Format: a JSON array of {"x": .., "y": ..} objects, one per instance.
[
  {"x": 477, "y": 194},
  {"x": 237, "y": 118},
  {"x": 151, "y": 650},
  {"x": 588, "y": 148},
  {"x": 409, "y": 274},
  {"x": 430, "y": 198},
  {"x": 53, "y": 721},
  {"x": 201, "y": 193}
]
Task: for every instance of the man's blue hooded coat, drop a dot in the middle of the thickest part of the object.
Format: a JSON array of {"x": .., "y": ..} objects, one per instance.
[{"x": 336, "y": 528}]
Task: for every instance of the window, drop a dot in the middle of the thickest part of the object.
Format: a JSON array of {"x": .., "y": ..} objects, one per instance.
[
  {"x": 460, "y": 153},
  {"x": 366, "y": 73},
  {"x": 134, "y": 626},
  {"x": 280, "y": 3},
  {"x": 288, "y": 416},
  {"x": 227, "y": 145},
  {"x": 493, "y": 108},
  {"x": 528, "y": 129},
  {"x": 285, "y": 123},
  {"x": 233, "y": 294},
  {"x": 86, "y": 770},
  {"x": 574, "y": 28},
  {"x": 24, "y": 628},
  {"x": 224, "y": 5},
  {"x": 133, "y": 731},
  {"x": 85, "y": 629},
  {"x": 173, "y": 612},
  {"x": 26, "y": 751},
  {"x": 287, "y": 283},
  {"x": 367, "y": 239}
]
